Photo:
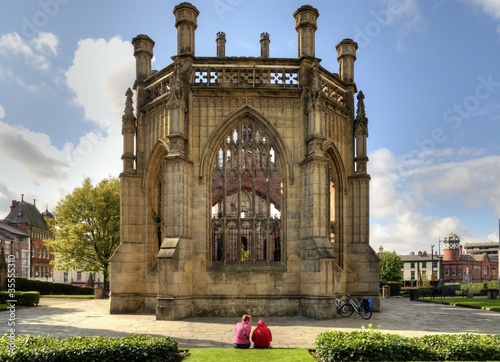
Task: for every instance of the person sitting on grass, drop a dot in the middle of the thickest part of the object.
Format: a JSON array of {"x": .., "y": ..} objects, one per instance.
[
  {"x": 262, "y": 335},
  {"x": 242, "y": 332}
]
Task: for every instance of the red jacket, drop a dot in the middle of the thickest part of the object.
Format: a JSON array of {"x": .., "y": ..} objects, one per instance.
[{"x": 262, "y": 335}]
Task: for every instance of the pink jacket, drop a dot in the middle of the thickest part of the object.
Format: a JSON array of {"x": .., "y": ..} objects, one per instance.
[{"x": 239, "y": 337}]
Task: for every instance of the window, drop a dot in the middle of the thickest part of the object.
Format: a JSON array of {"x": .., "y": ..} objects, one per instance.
[
  {"x": 447, "y": 272},
  {"x": 424, "y": 264},
  {"x": 412, "y": 275},
  {"x": 246, "y": 198},
  {"x": 434, "y": 264},
  {"x": 78, "y": 275},
  {"x": 493, "y": 272},
  {"x": 412, "y": 265},
  {"x": 485, "y": 270},
  {"x": 65, "y": 277}
]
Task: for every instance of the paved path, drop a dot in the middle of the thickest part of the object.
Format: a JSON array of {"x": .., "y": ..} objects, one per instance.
[{"x": 73, "y": 317}]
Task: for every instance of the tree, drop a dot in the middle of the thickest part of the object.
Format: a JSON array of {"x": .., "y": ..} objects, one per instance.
[
  {"x": 86, "y": 227},
  {"x": 390, "y": 266}
]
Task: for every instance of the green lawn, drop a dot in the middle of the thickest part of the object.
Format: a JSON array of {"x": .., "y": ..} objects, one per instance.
[
  {"x": 248, "y": 355},
  {"x": 3, "y": 306},
  {"x": 479, "y": 303}
]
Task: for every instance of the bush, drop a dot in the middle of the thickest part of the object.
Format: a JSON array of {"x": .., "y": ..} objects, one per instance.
[
  {"x": 479, "y": 288},
  {"x": 367, "y": 346},
  {"x": 21, "y": 298},
  {"x": 129, "y": 349},
  {"x": 48, "y": 288},
  {"x": 370, "y": 345},
  {"x": 395, "y": 288}
]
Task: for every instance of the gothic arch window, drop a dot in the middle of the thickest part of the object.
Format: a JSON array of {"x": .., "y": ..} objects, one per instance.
[
  {"x": 156, "y": 208},
  {"x": 334, "y": 207},
  {"x": 247, "y": 181}
]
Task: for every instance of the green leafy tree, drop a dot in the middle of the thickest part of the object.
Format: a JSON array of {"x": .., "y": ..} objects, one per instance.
[
  {"x": 86, "y": 227},
  {"x": 390, "y": 266}
]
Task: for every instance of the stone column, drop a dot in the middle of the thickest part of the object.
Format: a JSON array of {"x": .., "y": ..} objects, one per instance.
[
  {"x": 305, "y": 24},
  {"x": 186, "y": 16},
  {"x": 128, "y": 132},
  {"x": 346, "y": 55},
  {"x": 143, "y": 52}
]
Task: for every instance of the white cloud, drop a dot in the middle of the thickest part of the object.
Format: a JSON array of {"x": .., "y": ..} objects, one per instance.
[
  {"x": 490, "y": 7},
  {"x": 444, "y": 177},
  {"x": 33, "y": 51},
  {"x": 99, "y": 76},
  {"x": 2, "y": 112},
  {"x": 32, "y": 152},
  {"x": 405, "y": 16},
  {"x": 46, "y": 41}
]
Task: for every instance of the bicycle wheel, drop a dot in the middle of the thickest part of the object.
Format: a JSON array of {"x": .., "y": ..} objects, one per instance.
[
  {"x": 345, "y": 310},
  {"x": 364, "y": 312}
]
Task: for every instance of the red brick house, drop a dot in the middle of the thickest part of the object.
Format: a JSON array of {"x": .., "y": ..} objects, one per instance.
[
  {"x": 26, "y": 217},
  {"x": 466, "y": 268},
  {"x": 16, "y": 246}
]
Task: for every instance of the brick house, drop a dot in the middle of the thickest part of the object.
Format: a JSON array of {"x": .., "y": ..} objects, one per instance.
[
  {"x": 25, "y": 216},
  {"x": 466, "y": 268},
  {"x": 16, "y": 246},
  {"x": 479, "y": 264}
]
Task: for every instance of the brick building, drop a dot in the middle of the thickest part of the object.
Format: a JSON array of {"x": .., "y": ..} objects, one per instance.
[
  {"x": 244, "y": 183},
  {"x": 25, "y": 216},
  {"x": 454, "y": 266},
  {"x": 466, "y": 268},
  {"x": 16, "y": 244}
]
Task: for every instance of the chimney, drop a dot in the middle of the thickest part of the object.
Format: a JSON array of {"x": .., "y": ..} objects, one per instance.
[
  {"x": 14, "y": 204},
  {"x": 264, "y": 45},
  {"x": 221, "y": 44}
]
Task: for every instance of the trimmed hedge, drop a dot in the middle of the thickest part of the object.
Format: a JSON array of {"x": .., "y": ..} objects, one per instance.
[
  {"x": 370, "y": 345},
  {"x": 49, "y": 288},
  {"x": 81, "y": 349},
  {"x": 479, "y": 288},
  {"x": 21, "y": 298}
]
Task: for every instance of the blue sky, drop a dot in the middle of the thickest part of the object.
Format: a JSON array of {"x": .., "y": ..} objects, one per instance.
[{"x": 430, "y": 72}]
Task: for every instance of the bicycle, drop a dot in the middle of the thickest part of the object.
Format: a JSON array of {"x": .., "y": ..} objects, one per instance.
[
  {"x": 339, "y": 303},
  {"x": 347, "y": 308}
]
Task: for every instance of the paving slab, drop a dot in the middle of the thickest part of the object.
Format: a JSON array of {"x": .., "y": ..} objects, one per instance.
[{"x": 76, "y": 317}]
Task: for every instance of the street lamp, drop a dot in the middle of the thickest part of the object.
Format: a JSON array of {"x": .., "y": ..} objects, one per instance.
[{"x": 432, "y": 265}]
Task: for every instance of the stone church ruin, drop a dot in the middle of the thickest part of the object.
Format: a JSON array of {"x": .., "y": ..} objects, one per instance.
[{"x": 244, "y": 186}]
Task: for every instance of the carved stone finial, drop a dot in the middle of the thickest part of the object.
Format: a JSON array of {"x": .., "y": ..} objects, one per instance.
[
  {"x": 128, "y": 118},
  {"x": 361, "y": 120}
]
